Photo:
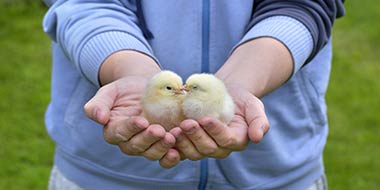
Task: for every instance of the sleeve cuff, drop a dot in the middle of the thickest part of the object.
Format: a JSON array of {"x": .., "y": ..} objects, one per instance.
[
  {"x": 292, "y": 33},
  {"x": 98, "y": 48}
]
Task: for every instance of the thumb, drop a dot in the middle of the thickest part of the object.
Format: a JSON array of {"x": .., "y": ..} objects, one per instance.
[
  {"x": 257, "y": 129},
  {"x": 258, "y": 123},
  {"x": 98, "y": 108}
]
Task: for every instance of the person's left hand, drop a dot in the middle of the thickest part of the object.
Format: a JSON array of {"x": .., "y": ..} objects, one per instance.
[{"x": 209, "y": 137}]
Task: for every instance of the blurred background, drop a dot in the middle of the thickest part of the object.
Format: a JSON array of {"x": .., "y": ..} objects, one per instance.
[{"x": 352, "y": 152}]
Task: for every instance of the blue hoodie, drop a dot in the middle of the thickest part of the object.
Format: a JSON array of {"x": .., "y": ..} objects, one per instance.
[{"x": 189, "y": 37}]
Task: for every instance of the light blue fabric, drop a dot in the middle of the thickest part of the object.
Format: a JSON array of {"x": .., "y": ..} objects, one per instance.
[
  {"x": 296, "y": 37},
  {"x": 87, "y": 32},
  {"x": 58, "y": 181}
]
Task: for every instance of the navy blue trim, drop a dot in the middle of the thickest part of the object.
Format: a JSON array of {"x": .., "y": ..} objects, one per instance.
[
  {"x": 205, "y": 35},
  {"x": 204, "y": 174},
  {"x": 318, "y": 16}
]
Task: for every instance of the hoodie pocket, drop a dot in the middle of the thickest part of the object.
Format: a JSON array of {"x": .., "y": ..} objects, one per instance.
[{"x": 313, "y": 80}]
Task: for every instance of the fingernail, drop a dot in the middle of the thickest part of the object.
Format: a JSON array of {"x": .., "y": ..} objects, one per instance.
[
  {"x": 95, "y": 114},
  {"x": 190, "y": 130},
  {"x": 179, "y": 137},
  {"x": 263, "y": 130},
  {"x": 207, "y": 126},
  {"x": 172, "y": 156}
]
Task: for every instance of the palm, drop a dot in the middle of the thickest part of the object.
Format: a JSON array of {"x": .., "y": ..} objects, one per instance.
[
  {"x": 122, "y": 98},
  {"x": 239, "y": 128},
  {"x": 127, "y": 95}
]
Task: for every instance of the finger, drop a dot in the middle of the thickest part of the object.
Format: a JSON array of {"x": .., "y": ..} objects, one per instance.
[
  {"x": 170, "y": 159},
  {"x": 133, "y": 126},
  {"x": 202, "y": 141},
  {"x": 120, "y": 130},
  {"x": 99, "y": 107},
  {"x": 181, "y": 155},
  {"x": 257, "y": 129},
  {"x": 258, "y": 123},
  {"x": 143, "y": 140},
  {"x": 159, "y": 149},
  {"x": 222, "y": 135},
  {"x": 184, "y": 146},
  {"x": 239, "y": 127}
]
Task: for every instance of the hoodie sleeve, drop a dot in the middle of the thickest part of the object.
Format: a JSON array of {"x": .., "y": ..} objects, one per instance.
[
  {"x": 89, "y": 31},
  {"x": 304, "y": 27}
]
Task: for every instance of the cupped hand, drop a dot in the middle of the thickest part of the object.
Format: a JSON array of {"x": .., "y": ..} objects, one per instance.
[
  {"x": 117, "y": 107},
  {"x": 209, "y": 137}
]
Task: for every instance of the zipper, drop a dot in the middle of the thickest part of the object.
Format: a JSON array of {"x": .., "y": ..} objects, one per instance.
[
  {"x": 205, "y": 35},
  {"x": 205, "y": 69},
  {"x": 204, "y": 174}
]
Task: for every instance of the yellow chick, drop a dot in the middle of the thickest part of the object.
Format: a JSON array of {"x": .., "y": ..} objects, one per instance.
[
  {"x": 207, "y": 96},
  {"x": 162, "y": 99}
]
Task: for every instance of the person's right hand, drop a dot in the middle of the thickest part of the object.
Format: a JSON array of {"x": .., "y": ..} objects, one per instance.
[{"x": 117, "y": 107}]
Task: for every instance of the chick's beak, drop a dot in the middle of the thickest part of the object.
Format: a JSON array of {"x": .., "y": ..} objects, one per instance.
[
  {"x": 180, "y": 91},
  {"x": 186, "y": 88}
]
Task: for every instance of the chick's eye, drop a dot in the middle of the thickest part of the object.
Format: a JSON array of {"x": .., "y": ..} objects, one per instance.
[
  {"x": 194, "y": 87},
  {"x": 168, "y": 88}
]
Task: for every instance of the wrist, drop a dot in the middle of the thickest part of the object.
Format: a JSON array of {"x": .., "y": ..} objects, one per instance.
[
  {"x": 127, "y": 63},
  {"x": 259, "y": 66}
]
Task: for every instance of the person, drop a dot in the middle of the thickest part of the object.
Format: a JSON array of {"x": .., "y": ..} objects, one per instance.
[{"x": 273, "y": 56}]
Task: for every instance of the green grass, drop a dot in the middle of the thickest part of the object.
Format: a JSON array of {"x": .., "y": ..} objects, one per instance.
[
  {"x": 26, "y": 150},
  {"x": 352, "y": 152}
]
